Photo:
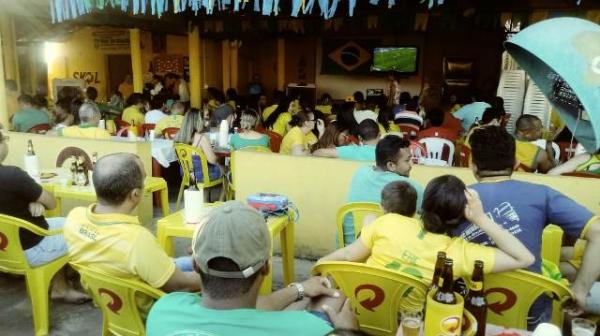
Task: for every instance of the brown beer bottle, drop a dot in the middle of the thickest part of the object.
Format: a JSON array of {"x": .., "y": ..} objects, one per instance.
[
  {"x": 445, "y": 293},
  {"x": 475, "y": 301},
  {"x": 437, "y": 271}
]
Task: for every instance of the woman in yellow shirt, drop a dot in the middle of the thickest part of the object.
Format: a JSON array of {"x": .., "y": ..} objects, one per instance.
[
  {"x": 278, "y": 121},
  {"x": 300, "y": 137},
  {"x": 400, "y": 242}
]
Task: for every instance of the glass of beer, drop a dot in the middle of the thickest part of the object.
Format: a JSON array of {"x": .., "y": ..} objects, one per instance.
[
  {"x": 411, "y": 322},
  {"x": 582, "y": 327}
]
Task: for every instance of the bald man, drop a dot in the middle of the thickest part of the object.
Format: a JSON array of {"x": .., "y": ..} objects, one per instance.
[
  {"x": 529, "y": 156},
  {"x": 107, "y": 237}
]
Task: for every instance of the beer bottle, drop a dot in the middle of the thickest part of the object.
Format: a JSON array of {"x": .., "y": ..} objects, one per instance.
[
  {"x": 30, "y": 150},
  {"x": 437, "y": 272},
  {"x": 475, "y": 301},
  {"x": 445, "y": 293},
  {"x": 192, "y": 180}
]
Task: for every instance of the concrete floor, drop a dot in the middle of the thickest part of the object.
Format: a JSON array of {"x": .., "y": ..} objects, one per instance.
[{"x": 85, "y": 319}]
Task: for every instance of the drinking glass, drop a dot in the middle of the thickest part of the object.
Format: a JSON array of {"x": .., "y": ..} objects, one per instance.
[
  {"x": 411, "y": 322},
  {"x": 582, "y": 327}
]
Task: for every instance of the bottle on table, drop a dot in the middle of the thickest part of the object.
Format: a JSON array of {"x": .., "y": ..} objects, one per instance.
[
  {"x": 437, "y": 272},
  {"x": 30, "y": 150},
  {"x": 475, "y": 301},
  {"x": 73, "y": 169},
  {"x": 445, "y": 293},
  {"x": 81, "y": 176}
]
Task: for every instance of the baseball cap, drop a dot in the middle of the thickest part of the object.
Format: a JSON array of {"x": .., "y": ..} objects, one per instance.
[{"x": 234, "y": 231}]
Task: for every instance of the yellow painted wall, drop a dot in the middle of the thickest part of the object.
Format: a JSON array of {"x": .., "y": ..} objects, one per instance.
[
  {"x": 319, "y": 186},
  {"x": 48, "y": 147}
]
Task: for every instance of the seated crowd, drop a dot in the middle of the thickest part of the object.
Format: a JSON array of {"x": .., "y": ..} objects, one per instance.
[{"x": 497, "y": 220}]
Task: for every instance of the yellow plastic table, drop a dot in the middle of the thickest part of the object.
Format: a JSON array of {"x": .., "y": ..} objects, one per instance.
[
  {"x": 174, "y": 226},
  {"x": 87, "y": 193}
]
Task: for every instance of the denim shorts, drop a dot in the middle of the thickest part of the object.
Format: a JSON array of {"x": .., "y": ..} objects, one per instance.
[{"x": 49, "y": 248}]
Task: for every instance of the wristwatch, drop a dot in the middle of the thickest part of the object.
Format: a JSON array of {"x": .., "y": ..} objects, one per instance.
[{"x": 300, "y": 289}]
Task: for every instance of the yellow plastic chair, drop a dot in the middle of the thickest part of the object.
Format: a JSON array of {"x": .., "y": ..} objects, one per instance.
[
  {"x": 552, "y": 243},
  {"x": 375, "y": 293},
  {"x": 511, "y": 294},
  {"x": 158, "y": 184},
  {"x": 13, "y": 260},
  {"x": 360, "y": 211},
  {"x": 184, "y": 154},
  {"x": 116, "y": 297},
  {"x": 230, "y": 185}
]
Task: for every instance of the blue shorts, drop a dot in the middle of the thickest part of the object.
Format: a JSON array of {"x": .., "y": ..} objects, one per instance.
[{"x": 49, "y": 248}]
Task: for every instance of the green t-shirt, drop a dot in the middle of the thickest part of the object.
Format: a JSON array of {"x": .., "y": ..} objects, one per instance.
[
  {"x": 182, "y": 314},
  {"x": 357, "y": 153},
  {"x": 25, "y": 119},
  {"x": 237, "y": 142}
]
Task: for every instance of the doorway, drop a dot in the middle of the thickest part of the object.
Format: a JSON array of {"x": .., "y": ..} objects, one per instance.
[{"x": 118, "y": 67}]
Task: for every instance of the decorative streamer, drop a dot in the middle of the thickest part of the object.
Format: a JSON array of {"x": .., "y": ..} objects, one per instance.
[{"x": 61, "y": 10}]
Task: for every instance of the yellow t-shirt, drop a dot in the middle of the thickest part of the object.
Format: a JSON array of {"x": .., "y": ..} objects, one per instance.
[
  {"x": 118, "y": 245},
  {"x": 268, "y": 110},
  {"x": 310, "y": 139},
  {"x": 280, "y": 125},
  {"x": 326, "y": 109},
  {"x": 133, "y": 115},
  {"x": 126, "y": 90},
  {"x": 174, "y": 120},
  {"x": 401, "y": 243},
  {"x": 292, "y": 138},
  {"x": 527, "y": 154},
  {"x": 90, "y": 132}
]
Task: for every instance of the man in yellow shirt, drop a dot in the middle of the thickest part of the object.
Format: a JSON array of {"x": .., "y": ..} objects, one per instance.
[
  {"x": 134, "y": 113},
  {"x": 89, "y": 114},
  {"x": 529, "y": 155},
  {"x": 126, "y": 87},
  {"x": 106, "y": 237},
  {"x": 174, "y": 120}
]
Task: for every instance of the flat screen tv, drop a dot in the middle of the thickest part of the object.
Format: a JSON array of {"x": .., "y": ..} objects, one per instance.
[{"x": 402, "y": 60}]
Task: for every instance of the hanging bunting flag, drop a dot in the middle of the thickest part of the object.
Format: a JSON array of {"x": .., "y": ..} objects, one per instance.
[
  {"x": 351, "y": 5},
  {"x": 309, "y": 6},
  {"x": 296, "y": 4}
]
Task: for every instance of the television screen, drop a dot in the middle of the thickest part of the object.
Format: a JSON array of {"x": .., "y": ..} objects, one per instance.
[{"x": 399, "y": 59}]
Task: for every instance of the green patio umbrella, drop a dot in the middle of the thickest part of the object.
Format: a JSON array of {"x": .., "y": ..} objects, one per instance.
[{"x": 562, "y": 56}]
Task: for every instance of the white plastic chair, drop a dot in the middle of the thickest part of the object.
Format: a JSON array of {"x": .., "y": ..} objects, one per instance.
[
  {"x": 435, "y": 150},
  {"x": 542, "y": 144}
]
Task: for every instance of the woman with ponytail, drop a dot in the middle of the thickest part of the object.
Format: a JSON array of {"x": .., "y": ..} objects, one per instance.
[{"x": 401, "y": 242}]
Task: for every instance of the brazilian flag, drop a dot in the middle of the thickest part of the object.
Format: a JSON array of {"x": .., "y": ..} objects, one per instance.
[{"x": 344, "y": 56}]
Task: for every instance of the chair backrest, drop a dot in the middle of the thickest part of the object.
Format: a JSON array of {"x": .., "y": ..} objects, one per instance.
[
  {"x": 362, "y": 213},
  {"x": 275, "y": 141},
  {"x": 170, "y": 132},
  {"x": 464, "y": 156},
  {"x": 40, "y": 129},
  {"x": 511, "y": 294},
  {"x": 116, "y": 297},
  {"x": 417, "y": 150},
  {"x": 121, "y": 123},
  {"x": 184, "y": 154},
  {"x": 511, "y": 88},
  {"x": 567, "y": 150},
  {"x": 148, "y": 127},
  {"x": 122, "y": 132},
  {"x": 439, "y": 148},
  {"x": 375, "y": 293},
  {"x": 552, "y": 243},
  {"x": 12, "y": 257}
]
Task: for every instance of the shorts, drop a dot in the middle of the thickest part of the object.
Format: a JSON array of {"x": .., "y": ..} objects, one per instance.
[{"x": 49, "y": 248}]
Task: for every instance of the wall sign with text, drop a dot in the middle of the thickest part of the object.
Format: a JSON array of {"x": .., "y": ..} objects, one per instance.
[{"x": 111, "y": 39}]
